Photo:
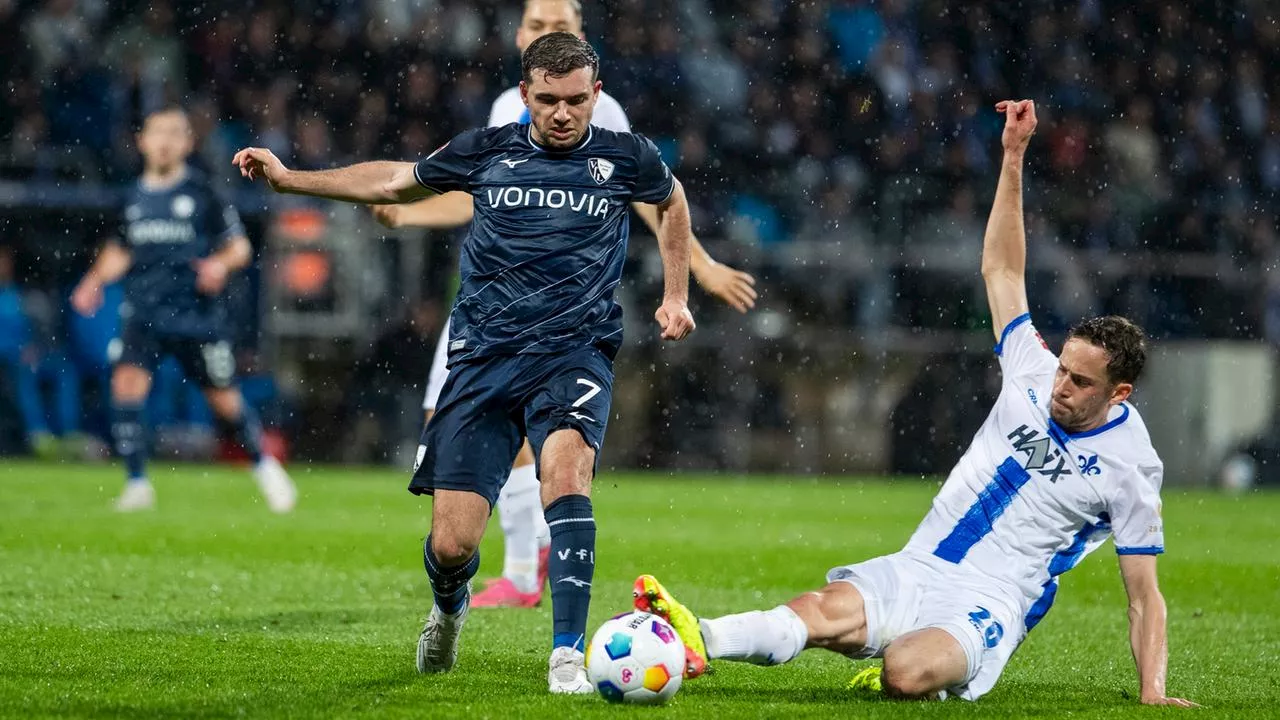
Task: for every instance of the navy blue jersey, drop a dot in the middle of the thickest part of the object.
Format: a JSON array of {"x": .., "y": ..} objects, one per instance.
[
  {"x": 548, "y": 239},
  {"x": 165, "y": 230}
]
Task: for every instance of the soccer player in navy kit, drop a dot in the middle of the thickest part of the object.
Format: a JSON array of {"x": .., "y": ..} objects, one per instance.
[
  {"x": 526, "y": 538},
  {"x": 177, "y": 244},
  {"x": 534, "y": 328}
]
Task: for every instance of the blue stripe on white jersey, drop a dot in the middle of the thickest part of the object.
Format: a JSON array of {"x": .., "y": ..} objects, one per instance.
[{"x": 1028, "y": 500}]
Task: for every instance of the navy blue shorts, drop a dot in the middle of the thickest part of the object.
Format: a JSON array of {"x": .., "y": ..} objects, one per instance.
[
  {"x": 489, "y": 405},
  {"x": 208, "y": 362}
]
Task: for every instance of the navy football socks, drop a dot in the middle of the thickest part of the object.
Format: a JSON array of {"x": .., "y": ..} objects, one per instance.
[
  {"x": 573, "y": 564},
  {"x": 130, "y": 441},
  {"x": 449, "y": 584},
  {"x": 247, "y": 430}
]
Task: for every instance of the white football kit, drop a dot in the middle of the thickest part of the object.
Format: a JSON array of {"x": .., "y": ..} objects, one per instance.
[
  {"x": 1025, "y": 503},
  {"x": 509, "y": 108}
]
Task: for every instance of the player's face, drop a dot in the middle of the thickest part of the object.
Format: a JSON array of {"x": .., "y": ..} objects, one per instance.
[
  {"x": 546, "y": 16},
  {"x": 165, "y": 140},
  {"x": 560, "y": 107},
  {"x": 1082, "y": 392}
]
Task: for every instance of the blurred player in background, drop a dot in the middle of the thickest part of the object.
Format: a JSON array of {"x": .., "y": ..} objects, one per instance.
[
  {"x": 1062, "y": 462},
  {"x": 535, "y": 328},
  {"x": 177, "y": 245},
  {"x": 526, "y": 538}
]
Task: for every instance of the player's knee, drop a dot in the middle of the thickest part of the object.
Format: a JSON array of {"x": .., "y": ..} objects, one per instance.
[
  {"x": 908, "y": 676},
  {"x": 453, "y": 550},
  {"x": 129, "y": 384},
  {"x": 224, "y": 403}
]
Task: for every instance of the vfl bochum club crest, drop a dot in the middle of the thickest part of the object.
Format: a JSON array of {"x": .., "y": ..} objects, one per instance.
[
  {"x": 601, "y": 170},
  {"x": 183, "y": 206}
]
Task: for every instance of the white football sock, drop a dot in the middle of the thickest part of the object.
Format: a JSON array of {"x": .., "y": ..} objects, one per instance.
[
  {"x": 768, "y": 637},
  {"x": 519, "y": 506}
]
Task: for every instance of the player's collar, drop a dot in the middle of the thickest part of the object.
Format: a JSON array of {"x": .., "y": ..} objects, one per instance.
[
  {"x": 581, "y": 143},
  {"x": 178, "y": 180},
  {"x": 1061, "y": 436}
]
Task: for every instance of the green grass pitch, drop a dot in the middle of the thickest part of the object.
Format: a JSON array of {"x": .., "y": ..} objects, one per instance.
[{"x": 211, "y": 607}]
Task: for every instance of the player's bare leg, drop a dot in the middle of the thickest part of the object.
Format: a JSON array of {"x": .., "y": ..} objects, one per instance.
[
  {"x": 922, "y": 663},
  {"x": 229, "y": 407},
  {"x": 526, "y": 540},
  {"x": 129, "y": 387},
  {"x": 917, "y": 665},
  {"x": 568, "y": 464},
  {"x": 451, "y": 557},
  {"x": 832, "y": 618}
]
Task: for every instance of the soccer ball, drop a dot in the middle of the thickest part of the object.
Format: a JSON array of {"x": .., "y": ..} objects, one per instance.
[{"x": 636, "y": 658}]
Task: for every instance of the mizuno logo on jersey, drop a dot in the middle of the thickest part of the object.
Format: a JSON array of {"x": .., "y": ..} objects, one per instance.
[
  {"x": 1042, "y": 456},
  {"x": 513, "y": 197},
  {"x": 146, "y": 232},
  {"x": 512, "y": 163}
]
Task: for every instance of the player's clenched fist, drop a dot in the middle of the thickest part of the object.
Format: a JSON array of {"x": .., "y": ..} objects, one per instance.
[
  {"x": 675, "y": 320},
  {"x": 257, "y": 163},
  {"x": 386, "y": 215},
  {"x": 1019, "y": 123}
]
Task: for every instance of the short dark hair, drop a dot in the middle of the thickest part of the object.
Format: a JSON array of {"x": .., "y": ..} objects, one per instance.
[
  {"x": 1122, "y": 339},
  {"x": 559, "y": 53},
  {"x": 165, "y": 109}
]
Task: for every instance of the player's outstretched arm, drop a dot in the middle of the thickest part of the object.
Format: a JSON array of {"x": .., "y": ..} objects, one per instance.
[
  {"x": 373, "y": 183},
  {"x": 674, "y": 235},
  {"x": 732, "y": 287},
  {"x": 112, "y": 263},
  {"x": 1004, "y": 247},
  {"x": 1147, "y": 634},
  {"x": 438, "y": 212}
]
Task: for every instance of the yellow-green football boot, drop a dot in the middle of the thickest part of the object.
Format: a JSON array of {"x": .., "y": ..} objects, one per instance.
[{"x": 651, "y": 597}]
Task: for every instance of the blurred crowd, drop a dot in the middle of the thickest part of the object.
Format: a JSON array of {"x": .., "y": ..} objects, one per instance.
[
  {"x": 867, "y": 122},
  {"x": 865, "y": 126}
]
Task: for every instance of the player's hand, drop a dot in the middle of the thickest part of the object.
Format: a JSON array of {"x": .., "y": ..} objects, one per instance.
[
  {"x": 257, "y": 163},
  {"x": 1019, "y": 123},
  {"x": 1162, "y": 700},
  {"x": 211, "y": 275},
  {"x": 386, "y": 215},
  {"x": 732, "y": 287},
  {"x": 87, "y": 297},
  {"x": 675, "y": 320}
]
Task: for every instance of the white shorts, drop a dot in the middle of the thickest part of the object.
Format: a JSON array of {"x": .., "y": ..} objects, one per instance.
[
  {"x": 902, "y": 593},
  {"x": 439, "y": 371}
]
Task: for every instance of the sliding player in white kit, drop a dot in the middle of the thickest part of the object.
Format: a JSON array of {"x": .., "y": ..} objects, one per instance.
[
  {"x": 1061, "y": 463},
  {"x": 527, "y": 540}
]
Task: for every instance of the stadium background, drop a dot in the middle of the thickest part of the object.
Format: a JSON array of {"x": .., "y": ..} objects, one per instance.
[{"x": 843, "y": 152}]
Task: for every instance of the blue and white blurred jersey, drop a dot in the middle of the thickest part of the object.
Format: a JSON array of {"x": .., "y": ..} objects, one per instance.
[
  {"x": 509, "y": 108},
  {"x": 1028, "y": 500}
]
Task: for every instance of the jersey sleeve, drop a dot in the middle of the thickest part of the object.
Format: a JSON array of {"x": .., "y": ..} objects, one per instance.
[
  {"x": 654, "y": 183},
  {"x": 1135, "y": 513},
  {"x": 224, "y": 220},
  {"x": 1022, "y": 351},
  {"x": 449, "y": 167}
]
